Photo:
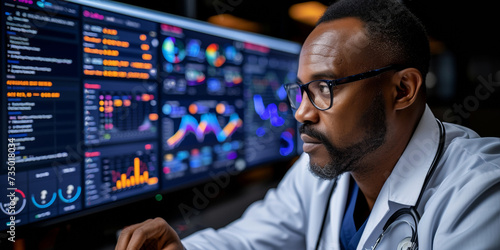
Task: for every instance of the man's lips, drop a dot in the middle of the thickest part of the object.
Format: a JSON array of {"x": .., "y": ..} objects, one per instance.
[
  {"x": 309, "y": 139},
  {"x": 310, "y": 143}
]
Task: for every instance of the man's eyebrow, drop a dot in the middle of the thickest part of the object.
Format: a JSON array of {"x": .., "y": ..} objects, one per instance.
[{"x": 320, "y": 76}]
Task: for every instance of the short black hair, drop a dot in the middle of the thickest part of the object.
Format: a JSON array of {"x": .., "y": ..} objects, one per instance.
[{"x": 392, "y": 30}]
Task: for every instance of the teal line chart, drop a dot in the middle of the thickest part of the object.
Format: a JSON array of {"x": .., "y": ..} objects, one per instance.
[{"x": 208, "y": 124}]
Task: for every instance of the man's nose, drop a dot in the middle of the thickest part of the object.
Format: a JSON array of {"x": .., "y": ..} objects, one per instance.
[{"x": 306, "y": 112}]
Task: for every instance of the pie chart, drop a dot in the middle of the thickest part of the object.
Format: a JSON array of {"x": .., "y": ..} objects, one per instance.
[
  {"x": 215, "y": 55},
  {"x": 173, "y": 50}
]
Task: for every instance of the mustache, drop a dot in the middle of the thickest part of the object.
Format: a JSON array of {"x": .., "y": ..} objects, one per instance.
[{"x": 308, "y": 130}]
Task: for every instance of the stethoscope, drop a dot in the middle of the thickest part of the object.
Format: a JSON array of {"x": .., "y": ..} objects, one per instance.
[{"x": 410, "y": 243}]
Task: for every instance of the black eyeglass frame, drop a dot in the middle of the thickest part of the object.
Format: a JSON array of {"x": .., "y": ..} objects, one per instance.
[{"x": 340, "y": 81}]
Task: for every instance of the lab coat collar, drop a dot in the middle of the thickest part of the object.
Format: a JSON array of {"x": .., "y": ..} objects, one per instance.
[{"x": 407, "y": 178}]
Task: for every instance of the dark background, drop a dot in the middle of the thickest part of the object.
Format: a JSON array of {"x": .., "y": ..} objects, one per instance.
[{"x": 465, "y": 45}]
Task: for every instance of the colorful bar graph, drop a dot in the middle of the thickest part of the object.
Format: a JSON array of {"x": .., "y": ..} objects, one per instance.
[{"x": 137, "y": 178}]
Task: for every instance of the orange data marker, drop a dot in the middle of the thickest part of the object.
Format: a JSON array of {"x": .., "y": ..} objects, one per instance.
[
  {"x": 153, "y": 117},
  {"x": 220, "y": 108},
  {"x": 193, "y": 108}
]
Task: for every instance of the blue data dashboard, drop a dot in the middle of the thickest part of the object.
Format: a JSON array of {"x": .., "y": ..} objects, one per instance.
[{"x": 103, "y": 103}]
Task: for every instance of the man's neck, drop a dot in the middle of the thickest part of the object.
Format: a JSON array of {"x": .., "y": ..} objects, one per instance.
[
  {"x": 379, "y": 166},
  {"x": 371, "y": 183}
]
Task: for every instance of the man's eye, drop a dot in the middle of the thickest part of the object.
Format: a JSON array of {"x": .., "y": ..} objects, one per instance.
[{"x": 324, "y": 88}]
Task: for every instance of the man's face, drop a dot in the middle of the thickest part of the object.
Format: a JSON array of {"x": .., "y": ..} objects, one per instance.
[{"x": 342, "y": 138}]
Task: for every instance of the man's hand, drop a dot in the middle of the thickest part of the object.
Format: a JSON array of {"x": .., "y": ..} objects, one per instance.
[{"x": 150, "y": 234}]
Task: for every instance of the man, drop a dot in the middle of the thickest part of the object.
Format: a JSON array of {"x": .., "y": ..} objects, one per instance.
[{"x": 378, "y": 150}]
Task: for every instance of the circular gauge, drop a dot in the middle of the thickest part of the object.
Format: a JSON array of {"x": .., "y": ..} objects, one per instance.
[
  {"x": 194, "y": 77},
  {"x": 193, "y": 48},
  {"x": 232, "y": 78},
  {"x": 18, "y": 203},
  {"x": 232, "y": 54},
  {"x": 173, "y": 50},
  {"x": 215, "y": 56}
]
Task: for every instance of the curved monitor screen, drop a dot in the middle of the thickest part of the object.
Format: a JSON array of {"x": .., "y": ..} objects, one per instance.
[{"x": 103, "y": 103}]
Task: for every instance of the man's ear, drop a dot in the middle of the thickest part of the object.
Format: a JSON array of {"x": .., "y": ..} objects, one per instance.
[{"x": 407, "y": 84}]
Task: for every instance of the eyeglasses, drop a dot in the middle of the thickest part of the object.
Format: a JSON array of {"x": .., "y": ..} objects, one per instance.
[{"x": 320, "y": 91}]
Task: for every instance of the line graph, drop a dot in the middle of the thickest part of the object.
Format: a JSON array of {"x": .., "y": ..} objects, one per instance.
[
  {"x": 208, "y": 124},
  {"x": 267, "y": 113}
]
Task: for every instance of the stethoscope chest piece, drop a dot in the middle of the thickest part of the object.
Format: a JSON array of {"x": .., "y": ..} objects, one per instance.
[{"x": 406, "y": 244}]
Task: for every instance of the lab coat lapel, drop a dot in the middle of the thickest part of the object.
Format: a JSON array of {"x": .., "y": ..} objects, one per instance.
[
  {"x": 337, "y": 209},
  {"x": 403, "y": 186}
]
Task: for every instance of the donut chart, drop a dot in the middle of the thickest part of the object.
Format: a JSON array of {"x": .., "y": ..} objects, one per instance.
[
  {"x": 173, "y": 50},
  {"x": 71, "y": 200},
  {"x": 215, "y": 55},
  {"x": 46, "y": 205},
  {"x": 18, "y": 209}
]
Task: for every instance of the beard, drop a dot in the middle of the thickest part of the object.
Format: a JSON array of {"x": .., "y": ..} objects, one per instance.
[{"x": 348, "y": 159}]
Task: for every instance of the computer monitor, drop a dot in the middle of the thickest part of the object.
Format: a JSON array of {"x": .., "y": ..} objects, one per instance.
[{"x": 105, "y": 103}]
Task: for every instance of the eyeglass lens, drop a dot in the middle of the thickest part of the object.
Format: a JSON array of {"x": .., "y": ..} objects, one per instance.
[{"x": 318, "y": 91}]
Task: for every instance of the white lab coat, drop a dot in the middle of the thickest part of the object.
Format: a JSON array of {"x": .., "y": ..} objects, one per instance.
[{"x": 460, "y": 209}]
